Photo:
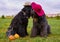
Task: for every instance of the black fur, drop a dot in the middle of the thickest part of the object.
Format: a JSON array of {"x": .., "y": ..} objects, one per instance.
[
  {"x": 19, "y": 23},
  {"x": 40, "y": 25}
]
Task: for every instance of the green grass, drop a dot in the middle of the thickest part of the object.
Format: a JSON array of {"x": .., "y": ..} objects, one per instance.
[{"x": 54, "y": 37}]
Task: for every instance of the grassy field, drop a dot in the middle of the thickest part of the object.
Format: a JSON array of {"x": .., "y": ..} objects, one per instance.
[{"x": 54, "y": 37}]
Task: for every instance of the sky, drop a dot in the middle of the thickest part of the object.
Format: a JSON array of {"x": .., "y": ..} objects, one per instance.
[{"x": 12, "y": 7}]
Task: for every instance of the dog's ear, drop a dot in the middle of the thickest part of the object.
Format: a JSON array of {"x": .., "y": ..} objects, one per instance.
[{"x": 24, "y": 9}]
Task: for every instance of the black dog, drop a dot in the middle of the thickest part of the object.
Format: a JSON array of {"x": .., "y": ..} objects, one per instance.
[
  {"x": 40, "y": 25},
  {"x": 20, "y": 22}
]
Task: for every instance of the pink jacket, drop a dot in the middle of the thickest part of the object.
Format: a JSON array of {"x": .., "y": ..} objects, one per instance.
[{"x": 37, "y": 8}]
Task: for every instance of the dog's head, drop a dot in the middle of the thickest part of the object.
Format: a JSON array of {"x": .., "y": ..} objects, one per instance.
[{"x": 27, "y": 11}]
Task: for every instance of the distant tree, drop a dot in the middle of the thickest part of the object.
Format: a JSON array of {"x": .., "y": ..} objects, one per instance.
[
  {"x": 47, "y": 17},
  {"x": 57, "y": 17},
  {"x": 3, "y": 17}
]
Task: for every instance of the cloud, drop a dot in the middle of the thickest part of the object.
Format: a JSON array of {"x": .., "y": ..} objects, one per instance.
[
  {"x": 53, "y": 5},
  {"x": 9, "y": 7},
  {"x": 14, "y": 6}
]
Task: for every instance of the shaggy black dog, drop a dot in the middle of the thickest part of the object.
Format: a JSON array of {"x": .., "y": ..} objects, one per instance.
[
  {"x": 40, "y": 25},
  {"x": 19, "y": 22}
]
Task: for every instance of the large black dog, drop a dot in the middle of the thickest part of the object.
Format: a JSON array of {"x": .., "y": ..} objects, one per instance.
[
  {"x": 40, "y": 25},
  {"x": 19, "y": 22}
]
